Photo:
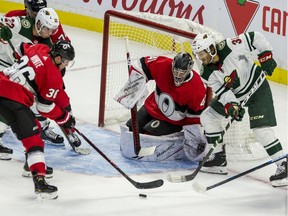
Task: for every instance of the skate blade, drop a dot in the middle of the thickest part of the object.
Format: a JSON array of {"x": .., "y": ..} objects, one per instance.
[
  {"x": 280, "y": 183},
  {"x": 215, "y": 170},
  {"x": 48, "y": 142},
  {"x": 47, "y": 196},
  {"x": 5, "y": 156}
]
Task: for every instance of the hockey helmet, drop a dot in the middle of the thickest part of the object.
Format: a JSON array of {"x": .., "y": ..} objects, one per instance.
[
  {"x": 47, "y": 17},
  {"x": 35, "y": 5},
  {"x": 65, "y": 50},
  {"x": 181, "y": 67},
  {"x": 202, "y": 42}
]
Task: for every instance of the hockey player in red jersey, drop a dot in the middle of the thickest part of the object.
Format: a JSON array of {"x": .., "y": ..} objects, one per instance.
[
  {"x": 36, "y": 75},
  {"x": 178, "y": 99},
  {"x": 32, "y": 7}
]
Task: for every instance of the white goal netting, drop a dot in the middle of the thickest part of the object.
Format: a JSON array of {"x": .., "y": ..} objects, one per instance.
[{"x": 151, "y": 34}]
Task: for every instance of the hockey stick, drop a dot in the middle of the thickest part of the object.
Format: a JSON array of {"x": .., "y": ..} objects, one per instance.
[
  {"x": 140, "y": 152},
  {"x": 79, "y": 150},
  {"x": 189, "y": 177},
  {"x": 200, "y": 188},
  {"x": 135, "y": 127},
  {"x": 139, "y": 185}
]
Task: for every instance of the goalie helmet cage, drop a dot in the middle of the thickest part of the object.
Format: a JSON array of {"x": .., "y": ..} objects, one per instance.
[{"x": 149, "y": 35}]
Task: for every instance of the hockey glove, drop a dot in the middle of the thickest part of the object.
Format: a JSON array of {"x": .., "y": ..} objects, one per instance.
[
  {"x": 134, "y": 92},
  {"x": 5, "y": 33},
  {"x": 232, "y": 109},
  {"x": 267, "y": 62},
  {"x": 66, "y": 121}
]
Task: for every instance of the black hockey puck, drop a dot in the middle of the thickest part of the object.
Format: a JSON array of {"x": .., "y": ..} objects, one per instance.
[{"x": 143, "y": 195}]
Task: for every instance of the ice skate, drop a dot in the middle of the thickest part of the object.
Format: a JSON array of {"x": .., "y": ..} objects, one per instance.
[
  {"x": 44, "y": 190},
  {"x": 73, "y": 139},
  {"x": 50, "y": 137},
  {"x": 280, "y": 178},
  {"x": 5, "y": 152},
  {"x": 216, "y": 164},
  {"x": 27, "y": 173}
]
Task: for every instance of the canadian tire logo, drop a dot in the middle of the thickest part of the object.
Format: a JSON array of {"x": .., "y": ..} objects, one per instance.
[{"x": 241, "y": 13}]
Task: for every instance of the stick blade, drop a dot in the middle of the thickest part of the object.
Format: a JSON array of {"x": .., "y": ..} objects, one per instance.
[
  {"x": 198, "y": 187},
  {"x": 180, "y": 178},
  {"x": 175, "y": 179},
  {"x": 146, "y": 151},
  {"x": 149, "y": 185}
]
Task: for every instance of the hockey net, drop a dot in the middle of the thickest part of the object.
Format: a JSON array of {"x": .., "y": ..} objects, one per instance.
[{"x": 148, "y": 35}]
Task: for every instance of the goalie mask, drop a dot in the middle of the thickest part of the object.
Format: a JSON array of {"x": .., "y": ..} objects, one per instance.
[
  {"x": 181, "y": 67},
  {"x": 46, "y": 21},
  {"x": 204, "y": 42},
  {"x": 65, "y": 50}
]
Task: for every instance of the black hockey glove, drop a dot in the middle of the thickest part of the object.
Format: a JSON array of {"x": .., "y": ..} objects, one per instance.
[
  {"x": 5, "y": 33},
  {"x": 232, "y": 109},
  {"x": 268, "y": 64},
  {"x": 66, "y": 120}
]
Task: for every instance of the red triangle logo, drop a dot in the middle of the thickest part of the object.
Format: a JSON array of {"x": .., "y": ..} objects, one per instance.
[{"x": 241, "y": 13}]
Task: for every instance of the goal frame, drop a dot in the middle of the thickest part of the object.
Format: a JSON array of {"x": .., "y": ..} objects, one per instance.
[{"x": 105, "y": 43}]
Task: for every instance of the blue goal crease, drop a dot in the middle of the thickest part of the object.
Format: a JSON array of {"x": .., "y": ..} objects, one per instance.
[{"x": 64, "y": 158}]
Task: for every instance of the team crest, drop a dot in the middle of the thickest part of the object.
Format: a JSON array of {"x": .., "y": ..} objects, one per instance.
[
  {"x": 26, "y": 23},
  {"x": 232, "y": 81},
  {"x": 221, "y": 45}
]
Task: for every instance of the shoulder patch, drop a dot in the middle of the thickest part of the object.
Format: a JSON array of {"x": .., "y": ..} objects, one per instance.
[
  {"x": 221, "y": 45},
  {"x": 25, "y": 23}
]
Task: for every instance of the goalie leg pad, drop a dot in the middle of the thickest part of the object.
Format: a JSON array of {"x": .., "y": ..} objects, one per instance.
[
  {"x": 168, "y": 148},
  {"x": 195, "y": 143}
]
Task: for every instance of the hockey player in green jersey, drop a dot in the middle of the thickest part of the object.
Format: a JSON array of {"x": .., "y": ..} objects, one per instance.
[{"x": 231, "y": 74}]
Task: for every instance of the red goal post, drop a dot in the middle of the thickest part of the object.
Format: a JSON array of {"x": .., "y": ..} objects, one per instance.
[
  {"x": 155, "y": 31},
  {"x": 151, "y": 34}
]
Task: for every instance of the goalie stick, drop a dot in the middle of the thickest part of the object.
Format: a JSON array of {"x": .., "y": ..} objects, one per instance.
[
  {"x": 140, "y": 152},
  {"x": 189, "y": 177},
  {"x": 139, "y": 185},
  {"x": 200, "y": 188}
]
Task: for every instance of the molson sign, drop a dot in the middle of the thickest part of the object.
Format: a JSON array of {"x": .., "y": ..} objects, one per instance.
[
  {"x": 180, "y": 9},
  {"x": 230, "y": 17}
]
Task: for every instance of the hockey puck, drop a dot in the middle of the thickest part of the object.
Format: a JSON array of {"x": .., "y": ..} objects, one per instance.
[{"x": 143, "y": 195}]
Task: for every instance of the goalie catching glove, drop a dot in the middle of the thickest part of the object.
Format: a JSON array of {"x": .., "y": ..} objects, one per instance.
[
  {"x": 134, "y": 91},
  {"x": 66, "y": 120},
  {"x": 267, "y": 62},
  {"x": 232, "y": 109}
]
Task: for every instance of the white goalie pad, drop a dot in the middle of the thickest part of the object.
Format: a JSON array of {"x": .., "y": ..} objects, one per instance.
[
  {"x": 134, "y": 91},
  {"x": 168, "y": 147},
  {"x": 195, "y": 143}
]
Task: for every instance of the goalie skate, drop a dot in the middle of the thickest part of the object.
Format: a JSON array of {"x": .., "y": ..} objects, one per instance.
[{"x": 5, "y": 153}]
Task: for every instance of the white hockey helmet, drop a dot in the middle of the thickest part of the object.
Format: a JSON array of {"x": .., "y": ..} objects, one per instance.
[
  {"x": 204, "y": 41},
  {"x": 47, "y": 17}
]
